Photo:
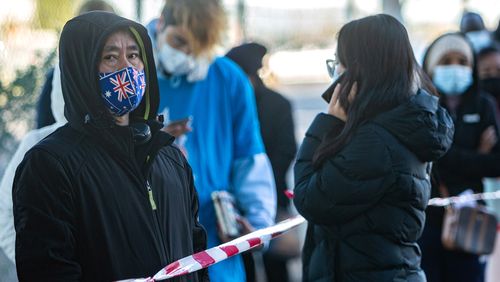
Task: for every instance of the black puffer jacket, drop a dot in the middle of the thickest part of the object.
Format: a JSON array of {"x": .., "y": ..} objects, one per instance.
[
  {"x": 82, "y": 208},
  {"x": 365, "y": 205}
]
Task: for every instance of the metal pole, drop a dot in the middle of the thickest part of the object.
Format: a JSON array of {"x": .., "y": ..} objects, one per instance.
[
  {"x": 241, "y": 19},
  {"x": 138, "y": 10}
]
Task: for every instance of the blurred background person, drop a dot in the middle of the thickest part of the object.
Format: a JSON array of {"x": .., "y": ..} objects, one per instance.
[
  {"x": 472, "y": 25},
  {"x": 474, "y": 154},
  {"x": 362, "y": 171},
  {"x": 488, "y": 66},
  {"x": 44, "y": 115},
  {"x": 222, "y": 139},
  {"x": 278, "y": 133},
  {"x": 488, "y": 71}
]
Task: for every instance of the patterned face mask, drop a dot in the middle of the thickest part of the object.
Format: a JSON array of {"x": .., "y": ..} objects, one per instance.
[{"x": 122, "y": 90}]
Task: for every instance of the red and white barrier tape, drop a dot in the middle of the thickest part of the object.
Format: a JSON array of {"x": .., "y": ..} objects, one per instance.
[
  {"x": 214, "y": 255},
  {"x": 239, "y": 245},
  {"x": 441, "y": 202}
]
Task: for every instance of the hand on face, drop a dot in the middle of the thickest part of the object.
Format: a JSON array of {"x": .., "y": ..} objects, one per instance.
[{"x": 334, "y": 107}]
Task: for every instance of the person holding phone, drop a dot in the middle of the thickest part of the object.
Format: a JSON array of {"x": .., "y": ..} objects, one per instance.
[
  {"x": 224, "y": 146},
  {"x": 362, "y": 171}
]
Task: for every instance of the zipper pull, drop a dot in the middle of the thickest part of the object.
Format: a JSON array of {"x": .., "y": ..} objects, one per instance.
[{"x": 151, "y": 198}]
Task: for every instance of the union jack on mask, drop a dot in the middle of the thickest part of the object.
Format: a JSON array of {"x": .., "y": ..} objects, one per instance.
[{"x": 122, "y": 90}]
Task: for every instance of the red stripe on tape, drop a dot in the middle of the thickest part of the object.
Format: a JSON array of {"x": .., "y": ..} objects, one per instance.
[
  {"x": 254, "y": 242},
  {"x": 172, "y": 267},
  {"x": 203, "y": 258},
  {"x": 230, "y": 250},
  {"x": 289, "y": 194}
]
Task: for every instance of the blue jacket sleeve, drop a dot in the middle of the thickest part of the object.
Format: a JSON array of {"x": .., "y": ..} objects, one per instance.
[{"x": 254, "y": 190}]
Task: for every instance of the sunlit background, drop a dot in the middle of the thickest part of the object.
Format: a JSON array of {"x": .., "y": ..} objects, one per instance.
[{"x": 300, "y": 35}]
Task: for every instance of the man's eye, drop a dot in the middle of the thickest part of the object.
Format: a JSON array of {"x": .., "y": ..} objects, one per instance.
[{"x": 109, "y": 57}]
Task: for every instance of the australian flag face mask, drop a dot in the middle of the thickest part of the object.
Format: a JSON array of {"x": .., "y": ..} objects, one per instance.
[{"x": 122, "y": 90}]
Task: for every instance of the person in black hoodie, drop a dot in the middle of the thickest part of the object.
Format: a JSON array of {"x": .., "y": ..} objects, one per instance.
[
  {"x": 362, "y": 172},
  {"x": 450, "y": 62},
  {"x": 107, "y": 196}
]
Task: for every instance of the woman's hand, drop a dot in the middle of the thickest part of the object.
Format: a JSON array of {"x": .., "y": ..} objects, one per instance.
[{"x": 334, "y": 107}]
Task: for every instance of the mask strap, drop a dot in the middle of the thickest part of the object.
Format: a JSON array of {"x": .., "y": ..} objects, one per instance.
[{"x": 146, "y": 69}]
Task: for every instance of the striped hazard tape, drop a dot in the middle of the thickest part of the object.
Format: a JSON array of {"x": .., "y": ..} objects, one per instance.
[
  {"x": 239, "y": 245},
  {"x": 214, "y": 255}
]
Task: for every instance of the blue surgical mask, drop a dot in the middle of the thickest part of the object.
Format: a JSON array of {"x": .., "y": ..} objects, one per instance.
[
  {"x": 452, "y": 80},
  {"x": 122, "y": 90},
  {"x": 479, "y": 39}
]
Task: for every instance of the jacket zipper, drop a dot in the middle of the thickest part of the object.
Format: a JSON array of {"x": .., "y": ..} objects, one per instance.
[
  {"x": 156, "y": 219},
  {"x": 151, "y": 197}
]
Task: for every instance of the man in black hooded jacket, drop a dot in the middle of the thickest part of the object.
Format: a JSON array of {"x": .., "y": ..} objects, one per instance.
[{"x": 105, "y": 197}]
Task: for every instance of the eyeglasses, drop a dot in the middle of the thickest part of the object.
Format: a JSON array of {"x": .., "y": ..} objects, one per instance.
[{"x": 331, "y": 64}]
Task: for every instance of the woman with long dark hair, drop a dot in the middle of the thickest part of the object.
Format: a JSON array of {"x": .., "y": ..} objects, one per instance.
[{"x": 362, "y": 172}]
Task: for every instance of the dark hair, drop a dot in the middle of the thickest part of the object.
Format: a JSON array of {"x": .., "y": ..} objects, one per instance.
[
  {"x": 471, "y": 22},
  {"x": 491, "y": 49},
  {"x": 378, "y": 56}
]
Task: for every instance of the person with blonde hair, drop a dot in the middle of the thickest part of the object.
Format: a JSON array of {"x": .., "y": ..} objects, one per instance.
[{"x": 209, "y": 104}]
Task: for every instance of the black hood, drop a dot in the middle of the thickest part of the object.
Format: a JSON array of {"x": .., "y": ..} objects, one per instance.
[
  {"x": 421, "y": 124},
  {"x": 80, "y": 46}
]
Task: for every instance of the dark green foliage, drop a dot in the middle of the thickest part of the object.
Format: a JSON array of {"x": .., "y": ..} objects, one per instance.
[{"x": 17, "y": 106}]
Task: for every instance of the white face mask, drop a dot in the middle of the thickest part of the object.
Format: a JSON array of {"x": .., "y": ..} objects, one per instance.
[
  {"x": 452, "y": 80},
  {"x": 179, "y": 63},
  {"x": 174, "y": 61}
]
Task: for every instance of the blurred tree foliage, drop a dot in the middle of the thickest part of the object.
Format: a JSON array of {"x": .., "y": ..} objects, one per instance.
[
  {"x": 17, "y": 105},
  {"x": 53, "y": 14}
]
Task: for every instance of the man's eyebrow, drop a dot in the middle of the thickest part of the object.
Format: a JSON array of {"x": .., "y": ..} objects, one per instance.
[
  {"x": 111, "y": 48},
  {"x": 133, "y": 47},
  {"x": 115, "y": 48}
]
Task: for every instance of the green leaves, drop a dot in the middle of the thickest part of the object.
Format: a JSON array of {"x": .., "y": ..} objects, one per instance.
[{"x": 17, "y": 106}]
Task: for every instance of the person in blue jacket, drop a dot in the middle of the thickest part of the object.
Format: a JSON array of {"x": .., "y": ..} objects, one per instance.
[{"x": 209, "y": 104}]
